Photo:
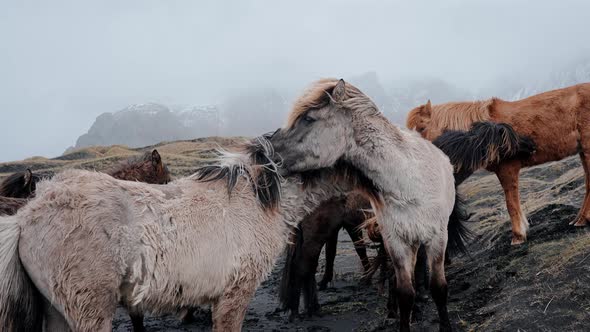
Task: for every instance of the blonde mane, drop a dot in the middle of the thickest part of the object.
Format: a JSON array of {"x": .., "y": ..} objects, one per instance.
[
  {"x": 452, "y": 116},
  {"x": 460, "y": 116},
  {"x": 317, "y": 95}
]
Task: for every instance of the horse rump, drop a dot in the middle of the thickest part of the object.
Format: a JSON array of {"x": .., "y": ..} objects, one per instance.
[{"x": 21, "y": 306}]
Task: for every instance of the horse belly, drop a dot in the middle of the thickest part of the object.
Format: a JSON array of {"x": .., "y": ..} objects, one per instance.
[
  {"x": 195, "y": 273},
  {"x": 553, "y": 131}
]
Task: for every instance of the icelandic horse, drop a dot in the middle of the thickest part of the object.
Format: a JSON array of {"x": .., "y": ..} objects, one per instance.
[
  {"x": 558, "y": 122},
  {"x": 334, "y": 121},
  {"x": 87, "y": 241}
]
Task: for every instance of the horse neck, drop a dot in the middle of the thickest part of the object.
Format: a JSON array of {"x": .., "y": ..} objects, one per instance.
[
  {"x": 380, "y": 152},
  {"x": 297, "y": 200}
]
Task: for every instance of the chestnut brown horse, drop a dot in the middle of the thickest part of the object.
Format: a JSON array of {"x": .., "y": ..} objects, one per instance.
[{"x": 558, "y": 121}]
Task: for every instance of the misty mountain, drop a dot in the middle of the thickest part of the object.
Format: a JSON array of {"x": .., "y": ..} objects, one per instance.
[
  {"x": 146, "y": 124},
  {"x": 401, "y": 96},
  {"x": 514, "y": 88},
  {"x": 253, "y": 113},
  {"x": 257, "y": 111},
  {"x": 248, "y": 113}
]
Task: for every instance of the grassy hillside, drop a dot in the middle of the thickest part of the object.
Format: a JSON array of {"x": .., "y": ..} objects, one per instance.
[
  {"x": 182, "y": 157},
  {"x": 543, "y": 285}
]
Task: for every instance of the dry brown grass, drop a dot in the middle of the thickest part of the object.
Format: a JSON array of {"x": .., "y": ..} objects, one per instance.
[{"x": 182, "y": 157}]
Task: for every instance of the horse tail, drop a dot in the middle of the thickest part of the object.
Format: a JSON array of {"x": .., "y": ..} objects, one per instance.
[
  {"x": 20, "y": 302},
  {"x": 486, "y": 143},
  {"x": 458, "y": 233},
  {"x": 288, "y": 294}
]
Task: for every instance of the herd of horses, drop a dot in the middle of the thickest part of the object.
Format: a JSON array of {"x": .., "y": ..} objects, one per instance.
[{"x": 76, "y": 245}]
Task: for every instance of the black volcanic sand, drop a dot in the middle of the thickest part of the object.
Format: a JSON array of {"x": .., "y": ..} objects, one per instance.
[{"x": 543, "y": 285}]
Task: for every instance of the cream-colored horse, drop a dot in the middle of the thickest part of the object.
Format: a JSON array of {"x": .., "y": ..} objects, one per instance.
[
  {"x": 88, "y": 241},
  {"x": 335, "y": 122}
]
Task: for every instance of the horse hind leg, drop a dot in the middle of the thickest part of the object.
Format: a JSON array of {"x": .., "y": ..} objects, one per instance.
[
  {"x": 420, "y": 284},
  {"x": 310, "y": 296},
  {"x": 403, "y": 257},
  {"x": 438, "y": 284},
  {"x": 584, "y": 214}
]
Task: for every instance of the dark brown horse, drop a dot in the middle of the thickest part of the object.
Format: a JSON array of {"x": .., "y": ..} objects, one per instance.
[
  {"x": 320, "y": 228},
  {"x": 148, "y": 168},
  {"x": 19, "y": 185}
]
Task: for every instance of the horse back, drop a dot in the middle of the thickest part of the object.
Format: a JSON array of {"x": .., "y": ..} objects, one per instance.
[{"x": 551, "y": 119}]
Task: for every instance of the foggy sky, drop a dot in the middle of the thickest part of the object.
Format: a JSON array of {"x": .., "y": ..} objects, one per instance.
[{"x": 64, "y": 62}]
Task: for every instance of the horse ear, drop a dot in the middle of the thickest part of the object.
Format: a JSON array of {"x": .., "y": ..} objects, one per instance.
[
  {"x": 156, "y": 159},
  {"x": 339, "y": 91},
  {"x": 427, "y": 109},
  {"x": 28, "y": 178}
]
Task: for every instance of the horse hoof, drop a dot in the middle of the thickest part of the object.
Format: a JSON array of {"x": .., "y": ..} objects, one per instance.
[
  {"x": 582, "y": 222},
  {"x": 316, "y": 313},
  {"x": 518, "y": 240},
  {"x": 365, "y": 281},
  {"x": 446, "y": 328}
]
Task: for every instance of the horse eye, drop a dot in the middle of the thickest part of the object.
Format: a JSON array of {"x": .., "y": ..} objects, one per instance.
[{"x": 308, "y": 119}]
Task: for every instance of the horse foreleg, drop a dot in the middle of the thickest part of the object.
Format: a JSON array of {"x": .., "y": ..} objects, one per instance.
[
  {"x": 136, "y": 319},
  {"x": 403, "y": 257},
  {"x": 53, "y": 320},
  {"x": 584, "y": 213},
  {"x": 508, "y": 175},
  {"x": 228, "y": 312},
  {"x": 331, "y": 247},
  {"x": 438, "y": 284}
]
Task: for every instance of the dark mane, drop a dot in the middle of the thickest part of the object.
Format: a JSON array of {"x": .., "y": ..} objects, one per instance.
[
  {"x": 263, "y": 174},
  {"x": 19, "y": 185},
  {"x": 260, "y": 170},
  {"x": 9, "y": 205},
  {"x": 485, "y": 144}
]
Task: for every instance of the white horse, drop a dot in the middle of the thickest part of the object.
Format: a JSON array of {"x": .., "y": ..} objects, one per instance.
[
  {"x": 87, "y": 242},
  {"x": 335, "y": 122}
]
